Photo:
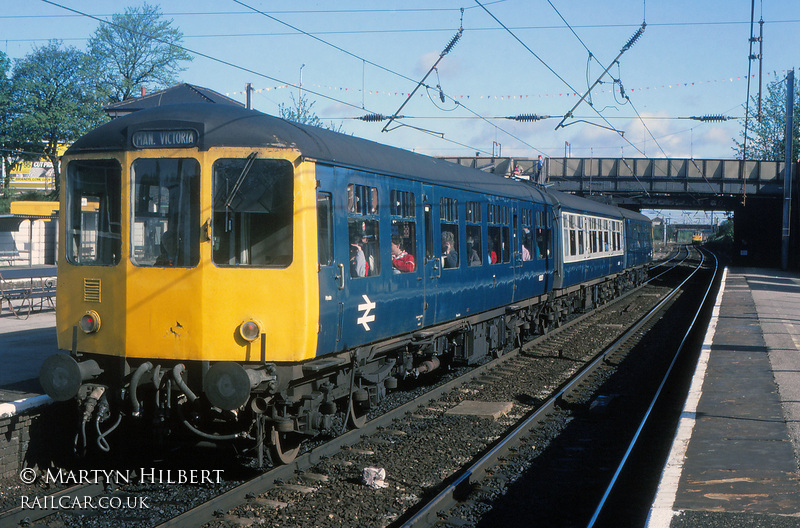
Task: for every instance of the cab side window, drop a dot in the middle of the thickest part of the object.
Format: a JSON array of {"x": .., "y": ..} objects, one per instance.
[{"x": 324, "y": 229}]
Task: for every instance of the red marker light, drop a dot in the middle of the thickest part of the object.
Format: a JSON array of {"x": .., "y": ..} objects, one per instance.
[
  {"x": 249, "y": 330},
  {"x": 90, "y": 322}
]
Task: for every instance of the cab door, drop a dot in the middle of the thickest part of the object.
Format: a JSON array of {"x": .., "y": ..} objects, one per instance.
[{"x": 331, "y": 264}]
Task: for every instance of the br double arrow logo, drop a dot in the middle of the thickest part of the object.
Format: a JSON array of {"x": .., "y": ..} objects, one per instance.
[{"x": 366, "y": 318}]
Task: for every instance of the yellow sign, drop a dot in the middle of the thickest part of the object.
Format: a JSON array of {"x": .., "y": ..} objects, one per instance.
[{"x": 34, "y": 175}]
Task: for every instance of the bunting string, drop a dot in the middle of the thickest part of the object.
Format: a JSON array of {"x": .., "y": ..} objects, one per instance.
[{"x": 511, "y": 97}]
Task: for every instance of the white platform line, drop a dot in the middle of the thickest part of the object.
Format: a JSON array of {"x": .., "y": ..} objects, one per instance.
[
  {"x": 9, "y": 409},
  {"x": 661, "y": 511}
]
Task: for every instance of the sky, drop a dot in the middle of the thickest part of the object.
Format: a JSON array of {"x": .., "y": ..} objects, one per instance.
[{"x": 514, "y": 57}]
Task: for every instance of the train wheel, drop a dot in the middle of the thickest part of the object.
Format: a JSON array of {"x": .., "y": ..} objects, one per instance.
[
  {"x": 284, "y": 446},
  {"x": 357, "y": 417}
]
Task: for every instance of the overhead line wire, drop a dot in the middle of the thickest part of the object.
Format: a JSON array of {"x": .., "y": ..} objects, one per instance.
[
  {"x": 421, "y": 83},
  {"x": 527, "y": 47},
  {"x": 522, "y": 28},
  {"x": 242, "y": 68},
  {"x": 591, "y": 55},
  {"x": 621, "y": 89},
  {"x": 334, "y": 46},
  {"x": 198, "y": 53},
  {"x": 622, "y": 134}
]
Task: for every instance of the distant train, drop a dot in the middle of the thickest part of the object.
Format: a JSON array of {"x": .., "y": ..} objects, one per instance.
[
  {"x": 698, "y": 237},
  {"x": 245, "y": 277}
]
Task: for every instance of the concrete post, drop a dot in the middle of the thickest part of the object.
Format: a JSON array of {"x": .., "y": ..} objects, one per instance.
[{"x": 788, "y": 171}]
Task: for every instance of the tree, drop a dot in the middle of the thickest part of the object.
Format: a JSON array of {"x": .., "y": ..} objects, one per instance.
[
  {"x": 55, "y": 101},
  {"x": 765, "y": 137},
  {"x": 137, "y": 49},
  {"x": 301, "y": 112}
]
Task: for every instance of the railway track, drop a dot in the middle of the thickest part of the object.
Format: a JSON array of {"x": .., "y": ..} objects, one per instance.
[
  {"x": 330, "y": 473},
  {"x": 456, "y": 499},
  {"x": 421, "y": 425}
]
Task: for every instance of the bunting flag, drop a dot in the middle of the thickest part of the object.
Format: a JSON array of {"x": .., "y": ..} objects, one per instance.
[{"x": 511, "y": 97}]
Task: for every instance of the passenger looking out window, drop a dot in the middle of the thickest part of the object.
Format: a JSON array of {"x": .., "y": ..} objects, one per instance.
[
  {"x": 402, "y": 262},
  {"x": 473, "y": 257},
  {"x": 449, "y": 251},
  {"x": 541, "y": 242},
  {"x": 526, "y": 244},
  {"x": 358, "y": 262},
  {"x": 404, "y": 232},
  {"x": 364, "y": 243},
  {"x": 495, "y": 244},
  {"x": 492, "y": 253}
]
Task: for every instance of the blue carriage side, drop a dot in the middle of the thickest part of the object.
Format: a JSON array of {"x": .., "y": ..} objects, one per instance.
[{"x": 478, "y": 242}]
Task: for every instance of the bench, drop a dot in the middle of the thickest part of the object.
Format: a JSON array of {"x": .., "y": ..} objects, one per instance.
[
  {"x": 27, "y": 285},
  {"x": 9, "y": 256}
]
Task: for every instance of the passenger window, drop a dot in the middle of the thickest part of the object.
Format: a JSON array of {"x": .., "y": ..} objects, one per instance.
[
  {"x": 499, "y": 235},
  {"x": 362, "y": 199},
  {"x": 494, "y": 254},
  {"x": 253, "y": 211},
  {"x": 571, "y": 234},
  {"x": 402, "y": 204},
  {"x": 449, "y": 246},
  {"x": 404, "y": 232},
  {"x": 404, "y": 247},
  {"x": 506, "y": 245},
  {"x": 474, "y": 248},
  {"x": 365, "y": 255},
  {"x": 542, "y": 235},
  {"x": 428, "y": 234},
  {"x": 473, "y": 212},
  {"x": 526, "y": 237},
  {"x": 448, "y": 212},
  {"x": 495, "y": 243}
]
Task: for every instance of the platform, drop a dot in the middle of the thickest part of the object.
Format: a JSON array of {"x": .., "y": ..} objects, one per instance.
[
  {"x": 734, "y": 459},
  {"x": 24, "y": 344}
]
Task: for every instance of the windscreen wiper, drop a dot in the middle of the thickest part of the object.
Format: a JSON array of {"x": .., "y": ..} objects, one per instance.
[{"x": 245, "y": 170}]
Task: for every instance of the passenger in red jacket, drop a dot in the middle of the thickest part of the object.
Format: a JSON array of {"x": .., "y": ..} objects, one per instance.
[{"x": 402, "y": 262}]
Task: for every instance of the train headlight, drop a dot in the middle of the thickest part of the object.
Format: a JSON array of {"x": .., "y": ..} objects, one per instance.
[
  {"x": 250, "y": 330},
  {"x": 90, "y": 322}
]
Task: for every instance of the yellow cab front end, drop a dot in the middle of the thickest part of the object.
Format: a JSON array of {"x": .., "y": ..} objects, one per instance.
[{"x": 172, "y": 255}]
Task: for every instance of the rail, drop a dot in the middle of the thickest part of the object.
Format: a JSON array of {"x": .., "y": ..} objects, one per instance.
[
  {"x": 654, "y": 400},
  {"x": 464, "y": 482}
]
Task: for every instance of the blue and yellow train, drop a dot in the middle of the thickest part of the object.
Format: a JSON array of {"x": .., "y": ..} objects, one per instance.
[{"x": 242, "y": 276}]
